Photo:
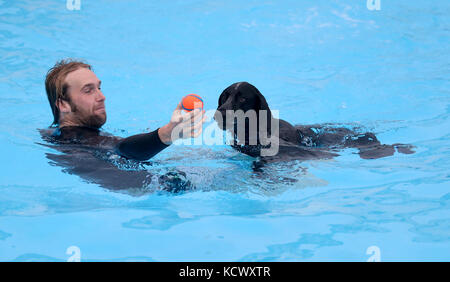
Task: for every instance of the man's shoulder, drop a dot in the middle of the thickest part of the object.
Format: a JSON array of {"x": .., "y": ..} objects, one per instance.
[
  {"x": 47, "y": 131},
  {"x": 78, "y": 135},
  {"x": 48, "y": 134}
]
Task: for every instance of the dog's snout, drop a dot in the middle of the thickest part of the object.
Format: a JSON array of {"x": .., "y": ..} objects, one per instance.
[
  {"x": 219, "y": 115},
  {"x": 225, "y": 106}
]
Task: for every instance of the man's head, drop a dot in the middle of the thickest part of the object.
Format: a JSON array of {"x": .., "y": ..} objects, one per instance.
[{"x": 74, "y": 94}]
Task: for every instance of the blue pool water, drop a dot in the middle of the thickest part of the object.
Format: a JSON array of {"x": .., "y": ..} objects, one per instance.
[{"x": 315, "y": 61}]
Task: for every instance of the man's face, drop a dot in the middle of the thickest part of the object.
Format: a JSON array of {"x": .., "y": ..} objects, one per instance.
[{"x": 87, "y": 102}]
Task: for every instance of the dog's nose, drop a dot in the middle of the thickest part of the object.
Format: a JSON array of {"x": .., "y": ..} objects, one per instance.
[
  {"x": 218, "y": 114},
  {"x": 219, "y": 117}
]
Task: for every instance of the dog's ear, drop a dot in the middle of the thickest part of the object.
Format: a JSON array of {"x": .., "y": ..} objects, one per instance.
[{"x": 261, "y": 103}]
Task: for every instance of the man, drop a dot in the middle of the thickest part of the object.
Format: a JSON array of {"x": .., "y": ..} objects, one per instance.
[{"x": 78, "y": 107}]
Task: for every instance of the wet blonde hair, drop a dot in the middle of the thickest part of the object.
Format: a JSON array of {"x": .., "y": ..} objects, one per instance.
[{"x": 55, "y": 84}]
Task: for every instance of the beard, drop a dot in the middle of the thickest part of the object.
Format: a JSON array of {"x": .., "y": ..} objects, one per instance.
[
  {"x": 95, "y": 121},
  {"x": 92, "y": 120}
]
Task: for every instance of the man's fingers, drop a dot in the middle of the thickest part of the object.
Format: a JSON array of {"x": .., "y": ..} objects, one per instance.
[
  {"x": 198, "y": 125},
  {"x": 198, "y": 116},
  {"x": 193, "y": 118},
  {"x": 191, "y": 123},
  {"x": 197, "y": 133},
  {"x": 177, "y": 118},
  {"x": 192, "y": 114},
  {"x": 197, "y": 129},
  {"x": 190, "y": 126},
  {"x": 178, "y": 109},
  {"x": 198, "y": 121}
]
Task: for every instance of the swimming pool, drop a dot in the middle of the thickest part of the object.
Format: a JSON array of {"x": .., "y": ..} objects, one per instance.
[{"x": 323, "y": 61}]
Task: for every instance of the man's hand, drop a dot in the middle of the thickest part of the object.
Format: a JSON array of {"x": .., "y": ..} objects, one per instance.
[{"x": 187, "y": 126}]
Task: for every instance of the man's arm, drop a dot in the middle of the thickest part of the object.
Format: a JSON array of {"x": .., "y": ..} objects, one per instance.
[
  {"x": 141, "y": 147},
  {"x": 144, "y": 146}
]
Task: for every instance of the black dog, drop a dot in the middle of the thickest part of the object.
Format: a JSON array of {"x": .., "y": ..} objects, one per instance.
[{"x": 294, "y": 142}]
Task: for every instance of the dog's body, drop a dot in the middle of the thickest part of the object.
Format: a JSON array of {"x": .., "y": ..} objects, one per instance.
[{"x": 295, "y": 142}]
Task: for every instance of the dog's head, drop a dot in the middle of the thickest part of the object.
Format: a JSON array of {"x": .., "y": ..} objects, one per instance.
[
  {"x": 244, "y": 97},
  {"x": 241, "y": 96}
]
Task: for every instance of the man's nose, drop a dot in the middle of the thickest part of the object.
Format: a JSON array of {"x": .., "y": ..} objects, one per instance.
[{"x": 100, "y": 96}]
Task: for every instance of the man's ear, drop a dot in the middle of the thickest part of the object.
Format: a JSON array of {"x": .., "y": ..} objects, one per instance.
[{"x": 63, "y": 106}]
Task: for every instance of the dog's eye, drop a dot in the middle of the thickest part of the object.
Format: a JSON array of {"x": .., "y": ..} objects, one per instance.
[{"x": 242, "y": 100}]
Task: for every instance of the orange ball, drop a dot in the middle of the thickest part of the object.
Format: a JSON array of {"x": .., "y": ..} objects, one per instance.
[{"x": 191, "y": 102}]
